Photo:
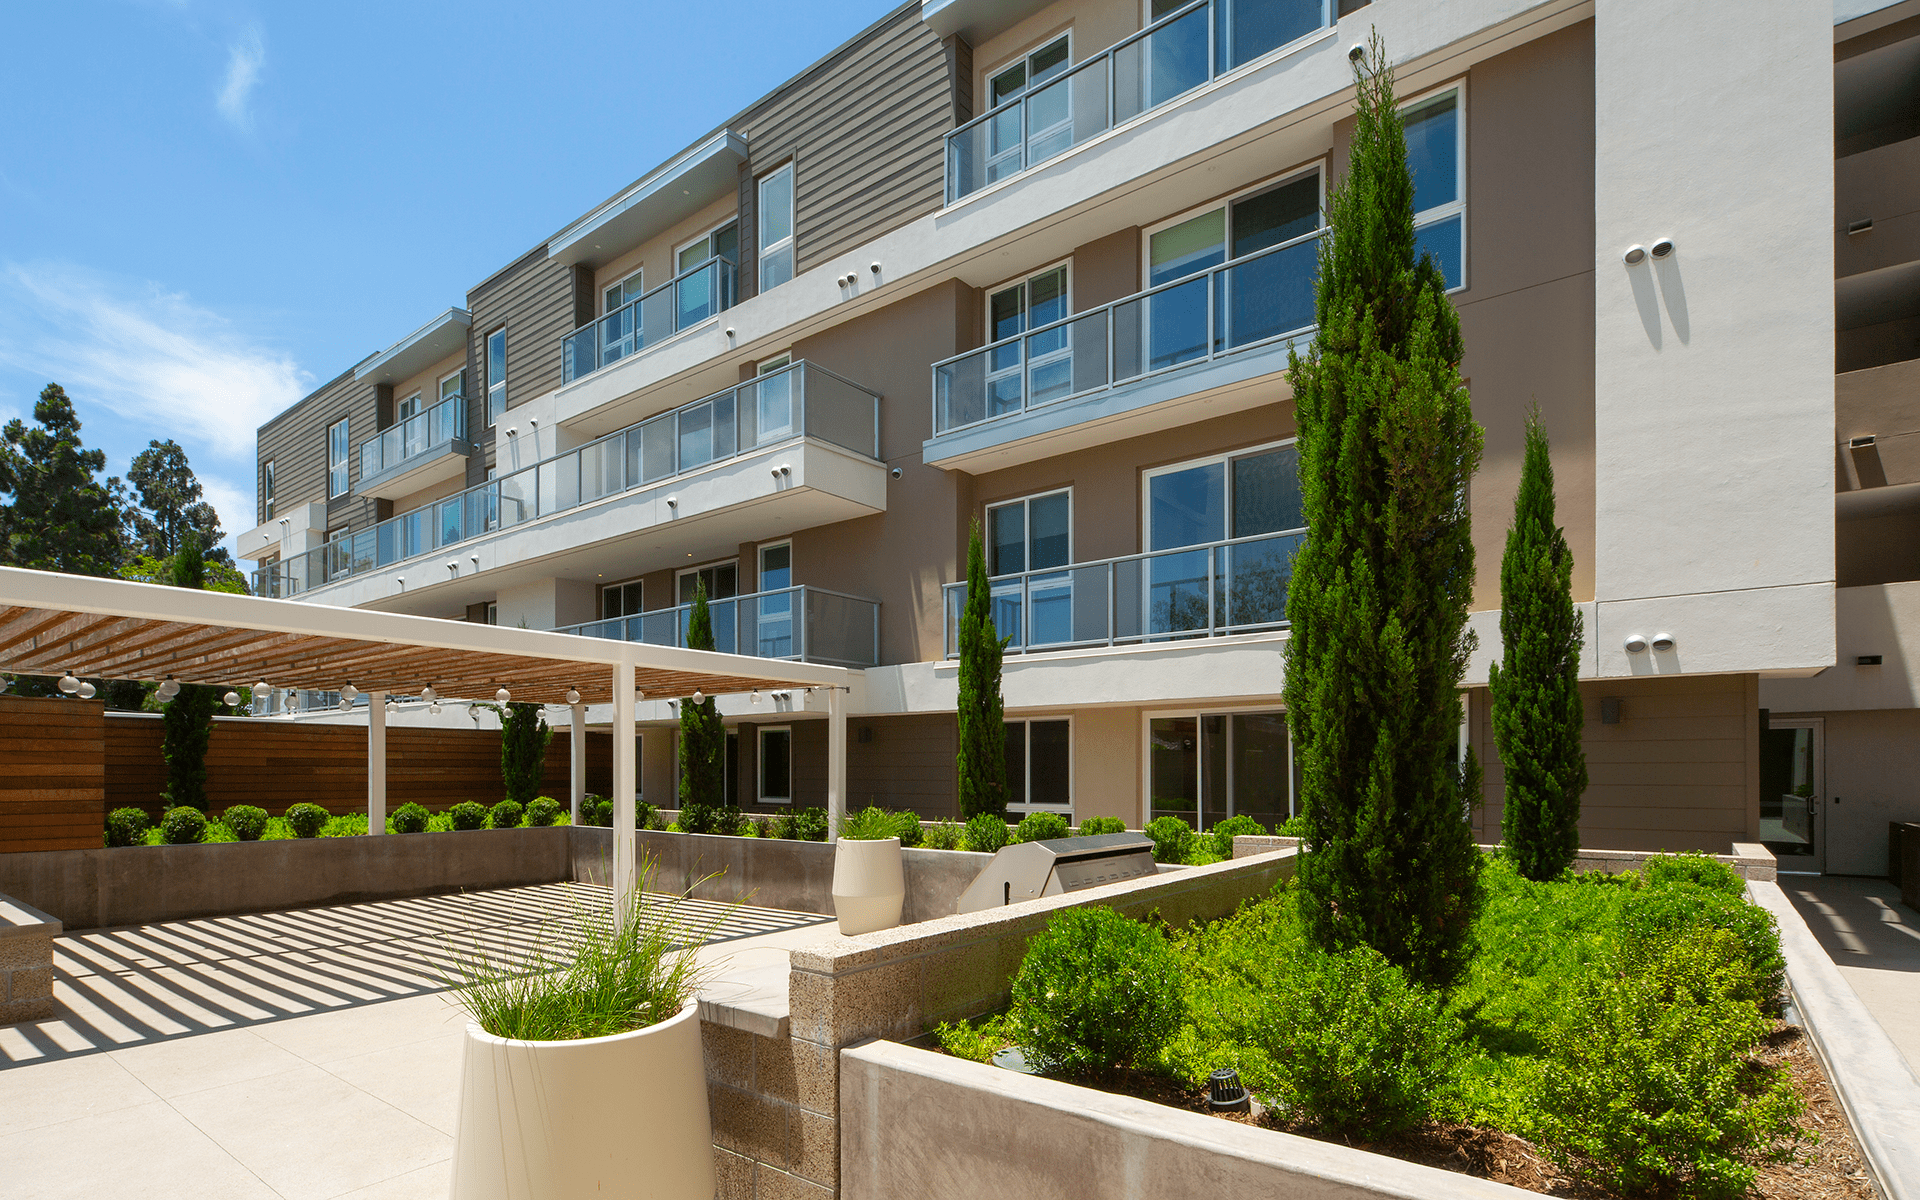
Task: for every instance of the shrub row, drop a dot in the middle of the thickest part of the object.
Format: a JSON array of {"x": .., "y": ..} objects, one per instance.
[{"x": 186, "y": 826}]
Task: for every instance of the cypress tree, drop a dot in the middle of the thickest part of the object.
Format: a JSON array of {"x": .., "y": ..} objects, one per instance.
[
  {"x": 186, "y": 723},
  {"x": 1537, "y": 712},
  {"x": 703, "y": 736},
  {"x": 524, "y": 737},
  {"x": 983, "y": 728},
  {"x": 1378, "y": 602}
]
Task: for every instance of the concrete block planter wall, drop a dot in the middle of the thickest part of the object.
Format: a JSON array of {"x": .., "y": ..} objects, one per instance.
[{"x": 26, "y": 962}]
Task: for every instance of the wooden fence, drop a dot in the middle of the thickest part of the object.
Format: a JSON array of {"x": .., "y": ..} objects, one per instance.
[{"x": 52, "y": 773}]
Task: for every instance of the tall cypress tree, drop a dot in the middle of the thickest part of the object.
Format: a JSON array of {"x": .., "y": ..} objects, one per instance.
[
  {"x": 1378, "y": 602},
  {"x": 983, "y": 728},
  {"x": 186, "y": 724},
  {"x": 1537, "y": 712},
  {"x": 524, "y": 737},
  {"x": 703, "y": 736}
]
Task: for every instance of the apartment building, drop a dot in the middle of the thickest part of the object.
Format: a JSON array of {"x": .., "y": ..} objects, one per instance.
[{"x": 1039, "y": 265}]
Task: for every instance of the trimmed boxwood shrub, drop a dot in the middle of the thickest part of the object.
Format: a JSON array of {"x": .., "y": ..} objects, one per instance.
[
  {"x": 1095, "y": 826},
  {"x": 544, "y": 811},
  {"x": 942, "y": 835},
  {"x": 1654, "y": 918},
  {"x": 506, "y": 815},
  {"x": 468, "y": 815},
  {"x": 183, "y": 826},
  {"x": 1224, "y": 833},
  {"x": 802, "y": 825},
  {"x": 1096, "y": 991},
  {"x": 307, "y": 820},
  {"x": 1042, "y": 827},
  {"x": 987, "y": 832},
  {"x": 1172, "y": 839},
  {"x": 127, "y": 827},
  {"x": 409, "y": 818},
  {"x": 247, "y": 821}
]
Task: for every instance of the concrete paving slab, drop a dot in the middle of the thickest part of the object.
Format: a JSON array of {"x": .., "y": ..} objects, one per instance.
[
  {"x": 182, "y": 1065},
  {"x": 421, "y": 1079},
  {"x": 67, "y": 1090},
  {"x": 149, "y": 1151},
  {"x": 1874, "y": 940}
]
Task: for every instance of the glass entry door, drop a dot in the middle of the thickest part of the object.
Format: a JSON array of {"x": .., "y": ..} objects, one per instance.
[
  {"x": 1793, "y": 815},
  {"x": 1206, "y": 767}
]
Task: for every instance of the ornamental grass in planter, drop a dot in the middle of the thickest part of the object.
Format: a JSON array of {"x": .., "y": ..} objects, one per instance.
[
  {"x": 869, "y": 879},
  {"x": 583, "y": 1072}
]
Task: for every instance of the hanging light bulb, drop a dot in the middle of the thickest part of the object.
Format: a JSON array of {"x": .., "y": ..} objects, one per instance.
[
  {"x": 86, "y": 690},
  {"x": 699, "y": 697},
  {"x": 428, "y": 694},
  {"x": 69, "y": 684},
  {"x": 345, "y": 704},
  {"x": 753, "y": 697},
  {"x": 261, "y": 689},
  {"x": 349, "y": 693},
  {"x": 168, "y": 689},
  {"x": 231, "y": 699},
  {"x": 434, "y": 708},
  {"x": 573, "y": 696},
  {"x": 503, "y": 696}
]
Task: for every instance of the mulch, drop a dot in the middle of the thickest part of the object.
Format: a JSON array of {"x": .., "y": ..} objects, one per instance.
[{"x": 1830, "y": 1168}]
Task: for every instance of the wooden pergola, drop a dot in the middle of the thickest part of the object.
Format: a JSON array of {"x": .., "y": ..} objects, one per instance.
[{"x": 78, "y": 625}]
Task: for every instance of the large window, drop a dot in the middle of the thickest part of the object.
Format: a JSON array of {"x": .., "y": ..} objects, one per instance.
[
  {"x": 618, "y": 295},
  {"x": 722, "y": 580},
  {"x": 338, "y": 455},
  {"x": 1039, "y": 299},
  {"x": 1436, "y": 154},
  {"x": 1033, "y": 534},
  {"x": 773, "y": 615},
  {"x": 1040, "y": 765},
  {"x": 622, "y": 600},
  {"x": 776, "y": 228},
  {"x": 1206, "y": 767},
  {"x": 776, "y": 764},
  {"x": 266, "y": 490},
  {"x": 1251, "y": 498},
  {"x": 496, "y": 375},
  {"x": 1047, "y": 120}
]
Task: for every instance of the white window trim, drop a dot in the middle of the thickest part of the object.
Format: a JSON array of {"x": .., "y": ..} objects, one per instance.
[
  {"x": 1025, "y": 278},
  {"x": 1033, "y": 48},
  {"x": 638, "y": 274},
  {"x": 346, "y": 472},
  {"x": 986, "y": 520},
  {"x": 420, "y": 396},
  {"x": 768, "y": 366},
  {"x": 1148, "y": 475},
  {"x": 440, "y": 385},
  {"x": 702, "y": 238},
  {"x": 1149, "y": 716},
  {"x": 1458, "y": 206},
  {"x": 759, "y": 553},
  {"x": 1224, "y": 204},
  {"x": 760, "y": 763},
  {"x": 267, "y": 482},
  {"x": 486, "y": 372},
  {"x": 761, "y": 251},
  {"x": 1026, "y": 719},
  {"x": 623, "y": 583}
]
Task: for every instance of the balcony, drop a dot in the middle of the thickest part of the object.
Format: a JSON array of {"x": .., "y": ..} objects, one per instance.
[
  {"x": 680, "y": 303},
  {"x": 680, "y": 466},
  {"x": 1237, "y": 586},
  {"x": 797, "y": 623},
  {"x": 1162, "y": 62},
  {"x": 425, "y": 449},
  {"x": 1116, "y": 363}
]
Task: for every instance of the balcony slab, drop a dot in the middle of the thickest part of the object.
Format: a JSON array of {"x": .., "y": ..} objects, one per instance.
[{"x": 435, "y": 464}]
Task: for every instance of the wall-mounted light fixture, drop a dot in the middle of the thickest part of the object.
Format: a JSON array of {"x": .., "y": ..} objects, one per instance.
[
  {"x": 1636, "y": 643},
  {"x": 1356, "y": 52},
  {"x": 875, "y": 268},
  {"x": 1610, "y": 710},
  {"x": 673, "y": 502},
  {"x": 1635, "y": 255},
  {"x": 1663, "y": 247},
  {"x": 1867, "y": 660},
  {"x": 513, "y": 431},
  {"x": 1662, "y": 643}
]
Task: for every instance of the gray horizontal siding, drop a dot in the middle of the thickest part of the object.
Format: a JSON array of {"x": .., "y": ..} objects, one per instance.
[
  {"x": 533, "y": 298},
  {"x": 296, "y": 442}
]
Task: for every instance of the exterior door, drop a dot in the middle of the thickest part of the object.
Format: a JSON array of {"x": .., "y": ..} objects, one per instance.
[{"x": 1793, "y": 800}]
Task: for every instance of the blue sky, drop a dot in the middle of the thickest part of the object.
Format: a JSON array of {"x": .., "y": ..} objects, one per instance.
[{"x": 209, "y": 207}]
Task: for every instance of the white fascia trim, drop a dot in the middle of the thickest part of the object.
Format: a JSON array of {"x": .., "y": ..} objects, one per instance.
[
  {"x": 399, "y": 359},
  {"x": 649, "y": 185}
]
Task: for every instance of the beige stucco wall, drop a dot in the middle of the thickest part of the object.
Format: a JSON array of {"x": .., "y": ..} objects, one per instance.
[{"x": 1106, "y": 764}]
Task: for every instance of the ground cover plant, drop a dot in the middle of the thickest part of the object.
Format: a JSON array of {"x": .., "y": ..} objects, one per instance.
[
  {"x": 1617, "y": 1027},
  {"x": 248, "y": 823}
]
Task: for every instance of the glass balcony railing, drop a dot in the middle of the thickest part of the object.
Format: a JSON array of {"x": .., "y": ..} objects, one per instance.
[
  {"x": 1167, "y": 59},
  {"x": 803, "y": 623},
  {"x": 443, "y": 423},
  {"x": 802, "y": 400},
  {"x": 683, "y": 301},
  {"x": 1249, "y": 301},
  {"x": 1237, "y": 586}
]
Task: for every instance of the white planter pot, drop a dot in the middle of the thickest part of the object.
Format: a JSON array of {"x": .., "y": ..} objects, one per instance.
[
  {"x": 869, "y": 884},
  {"x": 615, "y": 1117}
]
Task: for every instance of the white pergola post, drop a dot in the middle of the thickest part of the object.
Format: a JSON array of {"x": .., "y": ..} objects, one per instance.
[
  {"x": 376, "y": 762},
  {"x": 624, "y": 880},
  {"x": 578, "y": 747},
  {"x": 836, "y": 757}
]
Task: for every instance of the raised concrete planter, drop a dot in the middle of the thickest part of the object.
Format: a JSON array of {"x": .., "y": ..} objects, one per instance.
[
  {"x": 26, "y": 962},
  {"x": 916, "y": 1123},
  {"x": 623, "y": 1117},
  {"x": 1749, "y": 860},
  {"x": 869, "y": 884}
]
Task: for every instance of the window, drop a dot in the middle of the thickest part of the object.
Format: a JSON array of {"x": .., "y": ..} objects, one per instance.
[
  {"x": 776, "y": 228},
  {"x": 1032, "y": 535},
  {"x": 266, "y": 490},
  {"x": 703, "y": 293},
  {"x": 1030, "y": 71},
  {"x": 1237, "y": 497},
  {"x": 776, "y": 764},
  {"x": 621, "y": 600},
  {"x": 337, "y": 457},
  {"x": 621, "y": 294},
  {"x": 1039, "y": 299},
  {"x": 1040, "y": 765},
  {"x": 454, "y": 385},
  {"x": 773, "y": 619},
  {"x": 496, "y": 375},
  {"x": 1206, "y": 767},
  {"x": 410, "y": 407},
  {"x": 1436, "y": 154},
  {"x": 339, "y": 552},
  {"x": 722, "y": 580},
  {"x": 1043, "y": 127},
  {"x": 493, "y": 614},
  {"x": 772, "y": 408},
  {"x": 723, "y": 242}
]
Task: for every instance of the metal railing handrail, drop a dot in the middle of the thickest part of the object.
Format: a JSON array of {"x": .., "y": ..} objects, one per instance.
[
  {"x": 1107, "y": 311},
  {"x": 455, "y": 404},
  {"x": 737, "y": 616},
  {"x": 634, "y": 306},
  {"x": 688, "y": 607}
]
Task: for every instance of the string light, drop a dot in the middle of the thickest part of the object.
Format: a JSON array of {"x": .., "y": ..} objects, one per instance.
[
  {"x": 69, "y": 684},
  {"x": 503, "y": 696},
  {"x": 349, "y": 693},
  {"x": 85, "y": 691},
  {"x": 231, "y": 699},
  {"x": 573, "y": 696},
  {"x": 168, "y": 689},
  {"x": 428, "y": 694}
]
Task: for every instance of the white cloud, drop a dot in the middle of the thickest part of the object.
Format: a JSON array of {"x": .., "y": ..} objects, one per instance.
[{"x": 245, "y": 57}]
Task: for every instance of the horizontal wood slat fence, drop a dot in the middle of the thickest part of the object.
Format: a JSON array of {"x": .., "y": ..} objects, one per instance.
[{"x": 64, "y": 764}]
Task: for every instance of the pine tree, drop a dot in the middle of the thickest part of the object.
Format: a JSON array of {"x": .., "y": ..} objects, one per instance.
[
  {"x": 983, "y": 729},
  {"x": 60, "y": 518},
  {"x": 1537, "y": 711},
  {"x": 524, "y": 736},
  {"x": 1378, "y": 602},
  {"x": 174, "y": 502},
  {"x": 703, "y": 736},
  {"x": 186, "y": 724}
]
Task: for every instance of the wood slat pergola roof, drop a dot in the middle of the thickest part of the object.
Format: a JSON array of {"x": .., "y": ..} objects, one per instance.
[{"x": 115, "y": 629}]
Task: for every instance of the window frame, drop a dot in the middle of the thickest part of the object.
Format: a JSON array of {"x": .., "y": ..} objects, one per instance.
[
  {"x": 1025, "y": 58},
  {"x": 1026, "y": 722},
  {"x": 762, "y": 250},
  {"x": 1025, "y": 280},
  {"x": 986, "y": 525},
  {"x": 760, "y": 764},
  {"x": 1458, "y": 205},
  {"x": 759, "y": 562},
  {"x": 441, "y": 395},
  {"x": 1252, "y": 708},
  {"x": 266, "y": 490},
  {"x": 417, "y": 398},
  {"x": 634, "y": 581},
  {"x": 344, "y": 470},
  {"x": 1225, "y": 458},
  {"x": 680, "y": 573},
  {"x": 486, "y": 367},
  {"x": 1225, "y": 205},
  {"x": 705, "y": 237},
  {"x": 637, "y": 276}
]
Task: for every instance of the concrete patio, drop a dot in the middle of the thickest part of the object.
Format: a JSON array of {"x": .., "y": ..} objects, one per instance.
[
  {"x": 1874, "y": 940},
  {"x": 306, "y": 1054}
]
